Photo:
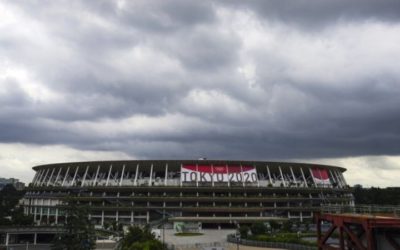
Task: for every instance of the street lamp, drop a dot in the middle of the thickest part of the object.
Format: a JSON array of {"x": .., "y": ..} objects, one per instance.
[{"x": 237, "y": 234}]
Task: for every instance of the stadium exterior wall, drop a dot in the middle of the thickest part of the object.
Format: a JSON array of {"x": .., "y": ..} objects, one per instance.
[{"x": 200, "y": 191}]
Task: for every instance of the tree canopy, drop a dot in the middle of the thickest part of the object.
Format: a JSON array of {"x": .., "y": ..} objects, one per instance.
[
  {"x": 10, "y": 213},
  {"x": 79, "y": 233},
  {"x": 140, "y": 239}
]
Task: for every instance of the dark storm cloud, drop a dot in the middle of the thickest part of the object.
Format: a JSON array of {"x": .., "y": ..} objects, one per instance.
[
  {"x": 310, "y": 14},
  {"x": 173, "y": 79}
]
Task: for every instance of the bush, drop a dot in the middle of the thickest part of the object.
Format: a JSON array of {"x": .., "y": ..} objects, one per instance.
[
  {"x": 258, "y": 228},
  {"x": 244, "y": 232},
  {"x": 138, "y": 238}
]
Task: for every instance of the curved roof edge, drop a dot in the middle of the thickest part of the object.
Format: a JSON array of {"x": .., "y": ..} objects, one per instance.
[{"x": 208, "y": 161}]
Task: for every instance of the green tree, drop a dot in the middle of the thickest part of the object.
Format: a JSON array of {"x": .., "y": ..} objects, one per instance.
[
  {"x": 138, "y": 238},
  {"x": 10, "y": 213},
  {"x": 274, "y": 225},
  {"x": 258, "y": 228},
  {"x": 287, "y": 226},
  {"x": 79, "y": 233},
  {"x": 244, "y": 232}
]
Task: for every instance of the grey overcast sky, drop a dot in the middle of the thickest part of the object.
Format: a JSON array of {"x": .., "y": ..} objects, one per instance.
[{"x": 306, "y": 80}]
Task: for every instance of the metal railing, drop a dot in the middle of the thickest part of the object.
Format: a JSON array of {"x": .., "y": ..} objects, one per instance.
[
  {"x": 255, "y": 243},
  {"x": 361, "y": 209}
]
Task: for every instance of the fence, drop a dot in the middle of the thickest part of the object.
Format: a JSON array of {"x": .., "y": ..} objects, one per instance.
[
  {"x": 362, "y": 209},
  {"x": 255, "y": 243},
  {"x": 197, "y": 246}
]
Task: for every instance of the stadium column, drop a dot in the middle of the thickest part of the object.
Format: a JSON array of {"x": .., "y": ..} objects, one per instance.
[
  {"x": 269, "y": 175},
  {"x": 56, "y": 218},
  {"x": 84, "y": 175},
  {"x": 151, "y": 175},
  {"x": 122, "y": 175},
  {"x": 44, "y": 178},
  {"x": 41, "y": 211},
  {"x": 73, "y": 179},
  {"x": 181, "y": 178},
  {"x": 39, "y": 173},
  {"x": 35, "y": 177},
  {"x": 48, "y": 211},
  {"x": 332, "y": 176},
  {"x": 65, "y": 177},
  {"x": 39, "y": 177},
  {"x": 97, "y": 174},
  {"x": 51, "y": 176},
  {"x": 58, "y": 176},
  {"x": 342, "y": 178},
  {"x": 166, "y": 175},
  {"x": 337, "y": 177},
  {"x": 294, "y": 177},
  {"x": 109, "y": 173},
  {"x": 304, "y": 177},
  {"x": 136, "y": 175},
  {"x": 283, "y": 179},
  {"x": 102, "y": 217}
]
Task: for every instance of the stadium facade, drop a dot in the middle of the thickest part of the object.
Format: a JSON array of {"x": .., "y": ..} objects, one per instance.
[{"x": 208, "y": 192}]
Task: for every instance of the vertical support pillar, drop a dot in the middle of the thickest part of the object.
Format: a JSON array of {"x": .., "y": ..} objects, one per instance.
[
  {"x": 269, "y": 175},
  {"x": 51, "y": 176},
  {"x": 319, "y": 233},
  {"x": 73, "y": 179},
  {"x": 109, "y": 173},
  {"x": 151, "y": 175},
  {"x": 102, "y": 218},
  {"x": 65, "y": 177},
  {"x": 227, "y": 172},
  {"x": 339, "y": 180},
  {"x": 132, "y": 218},
  {"x": 304, "y": 177},
  {"x": 84, "y": 175},
  {"x": 136, "y": 175},
  {"x": 333, "y": 177},
  {"x": 122, "y": 175},
  {"x": 44, "y": 178},
  {"x": 341, "y": 237},
  {"x": 97, "y": 174},
  {"x": 35, "y": 177},
  {"x": 7, "y": 239},
  {"x": 283, "y": 179},
  {"x": 312, "y": 176},
  {"x": 58, "y": 175},
  {"x": 181, "y": 176},
  {"x": 147, "y": 217},
  {"x": 56, "y": 218},
  {"x": 166, "y": 175},
  {"x": 342, "y": 178},
  {"x": 39, "y": 173},
  {"x": 294, "y": 177},
  {"x": 34, "y": 238}
]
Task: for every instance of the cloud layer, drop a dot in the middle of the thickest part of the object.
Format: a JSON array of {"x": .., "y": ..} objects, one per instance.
[{"x": 222, "y": 79}]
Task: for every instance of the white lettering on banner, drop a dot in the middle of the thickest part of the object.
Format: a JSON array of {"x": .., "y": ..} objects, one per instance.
[{"x": 193, "y": 173}]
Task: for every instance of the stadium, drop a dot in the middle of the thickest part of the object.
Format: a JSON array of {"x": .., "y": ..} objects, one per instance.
[{"x": 207, "y": 193}]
